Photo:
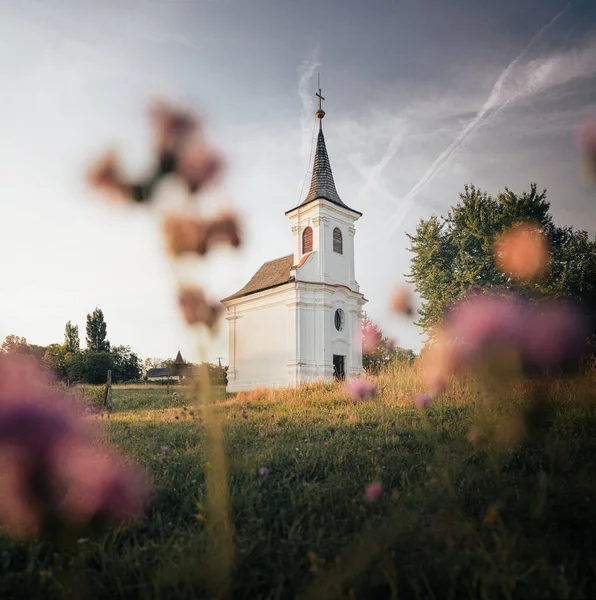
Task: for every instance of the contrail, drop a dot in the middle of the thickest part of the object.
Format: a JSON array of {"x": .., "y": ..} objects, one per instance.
[
  {"x": 372, "y": 179},
  {"x": 306, "y": 70},
  {"x": 493, "y": 102}
]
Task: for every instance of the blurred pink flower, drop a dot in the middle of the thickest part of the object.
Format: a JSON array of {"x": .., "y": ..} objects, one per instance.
[
  {"x": 548, "y": 336},
  {"x": 106, "y": 176},
  {"x": 422, "y": 400},
  {"x": 263, "y": 471},
  {"x": 554, "y": 337},
  {"x": 47, "y": 460},
  {"x": 588, "y": 145},
  {"x": 97, "y": 484},
  {"x": 484, "y": 322},
  {"x": 173, "y": 125},
  {"x": 195, "y": 307},
  {"x": 522, "y": 251},
  {"x": 180, "y": 149},
  {"x": 360, "y": 389},
  {"x": 188, "y": 234},
  {"x": 198, "y": 166},
  {"x": 373, "y": 491},
  {"x": 369, "y": 340},
  {"x": 401, "y": 301}
]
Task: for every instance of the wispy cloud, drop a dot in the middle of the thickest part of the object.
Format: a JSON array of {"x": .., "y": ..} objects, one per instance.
[
  {"x": 373, "y": 174},
  {"x": 511, "y": 84},
  {"x": 306, "y": 72}
]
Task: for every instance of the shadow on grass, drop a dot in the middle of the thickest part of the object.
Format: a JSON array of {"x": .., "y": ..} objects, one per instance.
[{"x": 453, "y": 521}]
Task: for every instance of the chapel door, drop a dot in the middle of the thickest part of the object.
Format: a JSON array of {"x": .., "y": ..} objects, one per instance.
[{"x": 339, "y": 366}]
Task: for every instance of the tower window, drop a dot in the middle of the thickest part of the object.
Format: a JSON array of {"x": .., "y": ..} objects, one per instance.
[
  {"x": 307, "y": 240},
  {"x": 339, "y": 319},
  {"x": 338, "y": 241}
]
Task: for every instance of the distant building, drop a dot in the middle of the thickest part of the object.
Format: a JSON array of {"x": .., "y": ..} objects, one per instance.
[
  {"x": 178, "y": 372},
  {"x": 299, "y": 318},
  {"x": 161, "y": 374}
]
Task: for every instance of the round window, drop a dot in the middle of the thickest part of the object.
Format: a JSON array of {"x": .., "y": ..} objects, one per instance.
[{"x": 339, "y": 319}]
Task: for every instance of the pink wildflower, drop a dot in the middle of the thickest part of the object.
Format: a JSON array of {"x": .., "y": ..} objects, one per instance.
[
  {"x": 422, "y": 400},
  {"x": 373, "y": 491},
  {"x": 263, "y": 471},
  {"x": 54, "y": 477},
  {"x": 401, "y": 301},
  {"x": 549, "y": 336},
  {"x": 186, "y": 234},
  {"x": 172, "y": 125},
  {"x": 360, "y": 389},
  {"x": 180, "y": 149},
  {"x": 195, "y": 307},
  {"x": 485, "y": 322},
  {"x": 198, "y": 165},
  {"x": 588, "y": 145},
  {"x": 554, "y": 337},
  {"x": 97, "y": 485}
]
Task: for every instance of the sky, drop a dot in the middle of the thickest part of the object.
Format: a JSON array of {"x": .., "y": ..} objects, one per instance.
[{"x": 422, "y": 96}]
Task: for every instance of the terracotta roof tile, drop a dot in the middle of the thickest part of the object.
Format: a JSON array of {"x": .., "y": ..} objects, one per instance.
[{"x": 272, "y": 273}]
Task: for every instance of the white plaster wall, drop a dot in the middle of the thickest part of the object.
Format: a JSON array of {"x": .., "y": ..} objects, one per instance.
[
  {"x": 319, "y": 340},
  {"x": 262, "y": 334}
]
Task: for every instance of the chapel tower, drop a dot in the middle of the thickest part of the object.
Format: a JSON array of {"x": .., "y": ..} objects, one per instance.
[
  {"x": 298, "y": 319},
  {"x": 322, "y": 223}
]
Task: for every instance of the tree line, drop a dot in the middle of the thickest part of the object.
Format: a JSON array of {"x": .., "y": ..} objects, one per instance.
[{"x": 68, "y": 362}]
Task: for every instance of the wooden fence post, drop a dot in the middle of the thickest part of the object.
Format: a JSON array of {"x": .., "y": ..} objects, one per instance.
[{"x": 109, "y": 389}]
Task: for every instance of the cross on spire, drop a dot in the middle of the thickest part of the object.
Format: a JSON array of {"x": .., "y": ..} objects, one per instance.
[
  {"x": 320, "y": 112},
  {"x": 318, "y": 95}
]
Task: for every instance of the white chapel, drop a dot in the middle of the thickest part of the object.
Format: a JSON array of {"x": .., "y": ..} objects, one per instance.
[{"x": 299, "y": 318}]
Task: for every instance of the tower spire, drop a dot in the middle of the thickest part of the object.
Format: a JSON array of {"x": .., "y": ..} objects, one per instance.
[{"x": 322, "y": 184}]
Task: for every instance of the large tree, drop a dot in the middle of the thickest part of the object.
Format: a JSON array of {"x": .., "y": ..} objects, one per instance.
[
  {"x": 454, "y": 254},
  {"x": 13, "y": 344},
  {"x": 54, "y": 359},
  {"x": 97, "y": 332},
  {"x": 72, "y": 342},
  {"x": 126, "y": 364}
]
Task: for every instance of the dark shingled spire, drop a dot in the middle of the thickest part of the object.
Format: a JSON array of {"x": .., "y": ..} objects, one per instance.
[{"x": 322, "y": 184}]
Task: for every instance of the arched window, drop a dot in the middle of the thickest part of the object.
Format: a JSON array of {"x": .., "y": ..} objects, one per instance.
[
  {"x": 338, "y": 245},
  {"x": 307, "y": 240}
]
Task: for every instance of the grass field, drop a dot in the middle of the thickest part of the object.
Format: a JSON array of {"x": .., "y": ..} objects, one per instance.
[{"x": 456, "y": 520}]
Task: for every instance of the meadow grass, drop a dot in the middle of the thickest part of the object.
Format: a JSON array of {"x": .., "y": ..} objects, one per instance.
[{"x": 457, "y": 520}]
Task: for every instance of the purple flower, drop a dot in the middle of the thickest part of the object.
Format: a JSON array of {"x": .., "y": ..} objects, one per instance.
[
  {"x": 422, "y": 400},
  {"x": 263, "y": 471},
  {"x": 549, "y": 336},
  {"x": 54, "y": 477},
  {"x": 588, "y": 145},
  {"x": 554, "y": 337},
  {"x": 244, "y": 415},
  {"x": 373, "y": 491},
  {"x": 360, "y": 389}
]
